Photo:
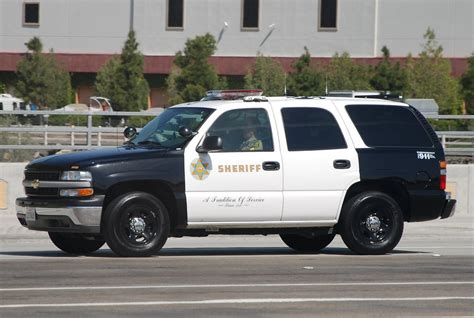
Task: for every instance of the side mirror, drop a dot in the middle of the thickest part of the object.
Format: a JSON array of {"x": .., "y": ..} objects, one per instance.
[
  {"x": 130, "y": 132},
  {"x": 185, "y": 132},
  {"x": 210, "y": 143}
]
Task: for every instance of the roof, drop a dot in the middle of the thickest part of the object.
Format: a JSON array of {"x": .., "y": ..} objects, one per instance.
[{"x": 292, "y": 101}]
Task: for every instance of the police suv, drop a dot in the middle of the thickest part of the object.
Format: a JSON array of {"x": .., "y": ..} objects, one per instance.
[{"x": 305, "y": 168}]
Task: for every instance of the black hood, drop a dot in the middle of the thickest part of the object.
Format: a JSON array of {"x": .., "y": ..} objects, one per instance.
[{"x": 88, "y": 158}]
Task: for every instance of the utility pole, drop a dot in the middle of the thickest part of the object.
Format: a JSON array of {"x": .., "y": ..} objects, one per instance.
[{"x": 132, "y": 13}]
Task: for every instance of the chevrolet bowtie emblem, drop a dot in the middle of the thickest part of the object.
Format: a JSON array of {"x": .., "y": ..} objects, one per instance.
[{"x": 35, "y": 184}]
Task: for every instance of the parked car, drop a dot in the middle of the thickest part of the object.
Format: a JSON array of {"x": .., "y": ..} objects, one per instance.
[
  {"x": 96, "y": 104},
  {"x": 9, "y": 102}
]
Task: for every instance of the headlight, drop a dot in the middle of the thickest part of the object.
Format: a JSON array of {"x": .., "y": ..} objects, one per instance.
[{"x": 76, "y": 176}]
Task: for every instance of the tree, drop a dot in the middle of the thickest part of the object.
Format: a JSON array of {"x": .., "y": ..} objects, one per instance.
[
  {"x": 306, "y": 80},
  {"x": 105, "y": 84},
  {"x": 467, "y": 84},
  {"x": 2, "y": 88},
  {"x": 388, "y": 76},
  {"x": 344, "y": 74},
  {"x": 268, "y": 75},
  {"x": 121, "y": 79},
  {"x": 41, "y": 80},
  {"x": 193, "y": 75},
  {"x": 429, "y": 76}
]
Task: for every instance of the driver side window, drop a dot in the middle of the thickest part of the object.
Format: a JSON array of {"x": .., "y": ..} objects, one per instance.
[{"x": 243, "y": 130}]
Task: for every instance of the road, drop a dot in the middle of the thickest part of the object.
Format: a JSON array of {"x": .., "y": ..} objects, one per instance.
[{"x": 431, "y": 273}]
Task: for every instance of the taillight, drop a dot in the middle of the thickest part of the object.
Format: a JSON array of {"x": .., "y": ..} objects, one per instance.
[{"x": 442, "y": 175}]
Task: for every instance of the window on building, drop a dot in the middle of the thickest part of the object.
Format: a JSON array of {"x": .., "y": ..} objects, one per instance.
[
  {"x": 31, "y": 13},
  {"x": 243, "y": 130},
  {"x": 175, "y": 14},
  {"x": 327, "y": 14},
  {"x": 388, "y": 126},
  {"x": 311, "y": 129},
  {"x": 250, "y": 14}
]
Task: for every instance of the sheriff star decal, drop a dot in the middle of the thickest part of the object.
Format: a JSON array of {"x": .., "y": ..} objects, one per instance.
[{"x": 199, "y": 169}]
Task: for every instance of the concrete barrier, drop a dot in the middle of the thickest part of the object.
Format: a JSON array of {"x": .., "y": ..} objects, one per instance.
[
  {"x": 460, "y": 184},
  {"x": 11, "y": 176}
]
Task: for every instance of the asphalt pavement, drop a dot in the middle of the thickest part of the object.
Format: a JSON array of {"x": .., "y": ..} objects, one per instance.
[{"x": 430, "y": 273}]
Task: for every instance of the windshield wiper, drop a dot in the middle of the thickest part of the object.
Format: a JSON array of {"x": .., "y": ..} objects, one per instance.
[{"x": 149, "y": 142}]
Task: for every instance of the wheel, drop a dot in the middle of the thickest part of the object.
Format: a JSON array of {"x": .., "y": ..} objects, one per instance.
[
  {"x": 371, "y": 223},
  {"x": 307, "y": 244},
  {"x": 136, "y": 224},
  {"x": 76, "y": 243}
]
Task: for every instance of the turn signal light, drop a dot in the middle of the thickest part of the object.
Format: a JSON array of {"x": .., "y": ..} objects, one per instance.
[
  {"x": 84, "y": 192},
  {"x": 442, "y": 175}
]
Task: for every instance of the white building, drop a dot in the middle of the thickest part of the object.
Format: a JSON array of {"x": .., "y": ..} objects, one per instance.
[{"x": 84, "y": 33}]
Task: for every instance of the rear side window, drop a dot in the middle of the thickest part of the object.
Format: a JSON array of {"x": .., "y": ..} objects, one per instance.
[
  {"x": 388, "y": 126},
  {"x": 311, "y": 129}
]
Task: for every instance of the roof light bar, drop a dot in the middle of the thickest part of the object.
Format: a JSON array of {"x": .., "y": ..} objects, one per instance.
[{"x": 231, "y": 94}]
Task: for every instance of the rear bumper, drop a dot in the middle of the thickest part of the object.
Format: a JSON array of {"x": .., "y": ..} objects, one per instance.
[
  {"x": 80, "y": 216},
  {"x": 449, "y": 208},
  {"x": 428, "y": 205}
]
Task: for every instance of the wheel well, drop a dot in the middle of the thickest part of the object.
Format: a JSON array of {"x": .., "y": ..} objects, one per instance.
[
  {"x": 392, "y": 188},
  {"x": 159, "y": 189}
]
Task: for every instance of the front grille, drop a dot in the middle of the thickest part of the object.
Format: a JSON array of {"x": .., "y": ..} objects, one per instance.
[
  {"x": 42, "y": 175},
  {"x": 51, "y": 192}
]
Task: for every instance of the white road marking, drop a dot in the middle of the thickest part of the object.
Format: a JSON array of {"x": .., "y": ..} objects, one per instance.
[
  {"x": 425, "y": 283},
  {"x": 235, "y": 301}
]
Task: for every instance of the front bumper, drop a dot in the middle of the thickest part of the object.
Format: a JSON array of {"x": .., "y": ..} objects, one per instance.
[{"x": 80, "y": 216}]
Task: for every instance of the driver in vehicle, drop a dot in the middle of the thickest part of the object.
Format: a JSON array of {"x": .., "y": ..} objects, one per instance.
[{"x": 250, "y": 143}]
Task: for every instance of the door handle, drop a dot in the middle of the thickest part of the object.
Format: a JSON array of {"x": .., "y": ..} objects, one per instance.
[
  {"x": 271, "y": 165},
  {"x": 341, "y": 164}
]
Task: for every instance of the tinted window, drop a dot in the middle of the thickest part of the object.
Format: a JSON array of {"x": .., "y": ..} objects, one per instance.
[
  {"x": 250, "y": 13},
  {"x": 388, "y": 126},
  {"x": 243, "y": 130},
  {"x": 31, "y": 13},
  {"x": 175, "y": 13},
  {"x": 328, "y": 14},
  {"x": 311, "y": 129}
]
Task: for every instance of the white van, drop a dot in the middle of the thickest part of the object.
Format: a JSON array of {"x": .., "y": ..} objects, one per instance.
[{"x": 8, "y": 102}]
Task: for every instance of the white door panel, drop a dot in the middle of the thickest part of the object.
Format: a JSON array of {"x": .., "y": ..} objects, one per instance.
[
  {"x": 231, "y": 185},
  {"x": 313, "y": 187},
  {"x": 234, "y": 172},
  {"x": 311, "y": 205},
  {"x": 233, "y": 206},
  {"x": 314, "y": 170}
]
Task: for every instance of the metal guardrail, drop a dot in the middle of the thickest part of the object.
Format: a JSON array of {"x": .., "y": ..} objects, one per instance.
[{"x": 458, "y": 143}]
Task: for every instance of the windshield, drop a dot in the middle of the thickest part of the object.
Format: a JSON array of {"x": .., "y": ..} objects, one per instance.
[{"x": 163, "y": 130}]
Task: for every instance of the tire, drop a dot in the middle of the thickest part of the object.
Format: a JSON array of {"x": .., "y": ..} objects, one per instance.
[
  {"x": 302, "y": 243},
  {"x": 76, "y": 243},
  {"x": 371, "y": 223},
  {"x": 136, "y": 224}
]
